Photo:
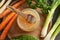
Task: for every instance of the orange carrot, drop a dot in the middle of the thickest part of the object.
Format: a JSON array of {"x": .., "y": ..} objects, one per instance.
[
  {"x": 19, "y": 3},
  {"x": 8, "y": 18},
  {"x": 6, "y": 30},
  {"x": 7, "y": 11}
]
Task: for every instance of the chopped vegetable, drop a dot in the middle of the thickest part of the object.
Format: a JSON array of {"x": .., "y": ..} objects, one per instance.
[
  {"x": 49, "y": 18},
  {"x": 53, "y": 29},
  {"x": 5, "y": 5},
  {"x": 2, "y": 2},
  {"x": 7, "y": 11},
  {"x": 8, "y": 18},
  {"x": 25, "y": 37},
  {"x": 55, "y": 33},
  {"x": 6, "y": 30}
]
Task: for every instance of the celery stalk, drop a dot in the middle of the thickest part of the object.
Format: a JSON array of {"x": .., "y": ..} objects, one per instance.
[
  {"x": 55, "y": 33},
  {"x": 49, "y": 18},
  {"x": 53, "y": 29}
]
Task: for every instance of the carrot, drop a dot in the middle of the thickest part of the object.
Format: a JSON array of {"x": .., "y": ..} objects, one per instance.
[
  {"x": 6, "y": 30},
  {"x": 19, "y": 3},
  {"x": 3, "y": 24},
  {"x": 7, "y": 11}
]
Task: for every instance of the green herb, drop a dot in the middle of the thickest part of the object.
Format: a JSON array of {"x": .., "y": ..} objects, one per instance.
[
  {"x": 30, "y": 4},
  {"x": 25, "y": 37},
  {"x": 43, "y": 4}
]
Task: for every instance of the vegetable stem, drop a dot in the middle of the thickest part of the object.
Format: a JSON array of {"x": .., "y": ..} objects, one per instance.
[
  {"x": 55, "y": 33},
  {"x": 49, "y": 18},
  {"x": 53, "y": 29}
]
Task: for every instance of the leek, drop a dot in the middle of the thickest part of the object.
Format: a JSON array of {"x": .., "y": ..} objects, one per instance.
[
  {"x": 55, "y": 33},
  {"x": 53, "y": 29},
  {"x": 49, "y": 18}
]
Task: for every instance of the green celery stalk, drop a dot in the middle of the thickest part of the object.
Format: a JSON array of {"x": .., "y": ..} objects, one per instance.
[
  {"x": 53, "y": 29},
  {"x": 55, "y": 33},
  {"x": 49, "y": 18}
]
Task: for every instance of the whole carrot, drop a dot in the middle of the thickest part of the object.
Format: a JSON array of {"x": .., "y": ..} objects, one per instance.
[
  {"x": 7, "y": 11},
  {"x": 19, "y": 3},
  {"x": 8, "y": 18},
  {"x": 6, "y": 30}
]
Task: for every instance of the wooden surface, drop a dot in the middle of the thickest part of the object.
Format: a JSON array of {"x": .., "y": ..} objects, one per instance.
[{"x": 16, "y": 31}]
